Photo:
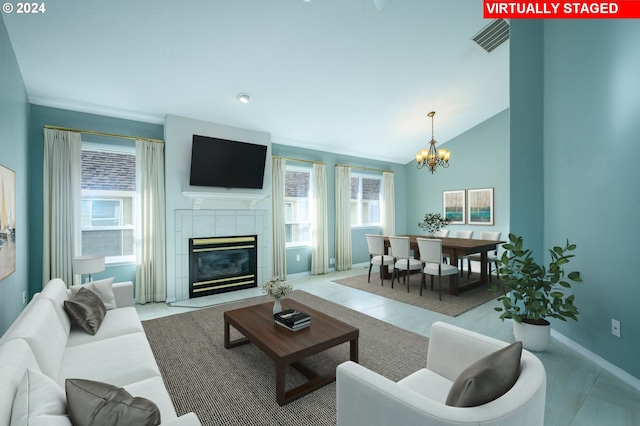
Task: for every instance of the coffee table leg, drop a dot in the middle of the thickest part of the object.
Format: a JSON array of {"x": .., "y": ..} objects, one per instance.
[
  {"x": 353, "y": 346},
  {"x": 226, "y": 333},
  {"x": 280, "y": 377}
]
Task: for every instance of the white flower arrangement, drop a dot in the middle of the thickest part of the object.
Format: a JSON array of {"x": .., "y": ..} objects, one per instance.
[{"x": 277, "y": 288}]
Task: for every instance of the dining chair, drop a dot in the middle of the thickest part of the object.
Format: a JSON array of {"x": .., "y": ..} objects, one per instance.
[
  {"x": 403, "y": 261},
  {"x": 377, "y": 256},
  {"x": 443, "y": 233},
  {"x": 463, "y": 234},
  {"x": 491, "y": 257},
  {"x": 431, "y": 258}
]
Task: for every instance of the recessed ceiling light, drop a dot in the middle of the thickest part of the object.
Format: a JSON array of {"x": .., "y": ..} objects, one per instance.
[{"x": 245, "y": 98}]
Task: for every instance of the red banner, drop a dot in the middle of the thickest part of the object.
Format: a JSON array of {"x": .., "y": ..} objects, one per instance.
[{"x": 622, "y": 9}]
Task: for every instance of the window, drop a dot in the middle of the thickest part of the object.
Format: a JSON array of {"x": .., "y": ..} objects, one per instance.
[
  {"x": 365, "y": 200},
  {"x": 297, "y": 201},
  {"x": 108, "y": 201}
]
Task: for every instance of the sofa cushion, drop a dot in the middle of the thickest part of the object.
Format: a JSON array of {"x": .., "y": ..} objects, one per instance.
[
  {"x": 15, "y": 358},
  {"x": 86, "y": 310},
  {"x": 154, "y": 389},
  {"x": 115, "y": 323},
  {"x": 487, "y": 379},
  {"x": 42, "y": 330},
  {"x": 118, "y": 360},
  {"x": 102, "y": 288},
  {"x": 94, "y": 403},
  {"x": 38, "y": 401},
  {"x": 56, "y": 291}
]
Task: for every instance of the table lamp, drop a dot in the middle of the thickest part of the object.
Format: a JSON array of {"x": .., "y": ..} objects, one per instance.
[{"x": 88, "y": 265}]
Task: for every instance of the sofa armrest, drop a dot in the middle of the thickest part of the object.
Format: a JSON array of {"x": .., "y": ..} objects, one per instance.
[
  {"x": 123, "y": 292},
  {"x": 189, "y": 419}
]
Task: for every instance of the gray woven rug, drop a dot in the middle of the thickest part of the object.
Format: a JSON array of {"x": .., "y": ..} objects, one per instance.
[
  {"x": 449, "y": 305},
  {"x": 237, "y": 386}
]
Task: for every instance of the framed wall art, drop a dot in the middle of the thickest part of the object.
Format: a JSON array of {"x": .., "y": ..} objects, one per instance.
[
  {"x": 7, "y": 221},
  {"x": 453, "y": 206},
  {"x": 480, "y": 206}
]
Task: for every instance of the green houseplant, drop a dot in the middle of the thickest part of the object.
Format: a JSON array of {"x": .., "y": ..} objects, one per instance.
[
  {"x": 433, "y": 222},
  {"x": 533, "y": 292}
]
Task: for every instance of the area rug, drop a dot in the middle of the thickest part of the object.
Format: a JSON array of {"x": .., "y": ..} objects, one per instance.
[
  {"x": 449, "y": 305},
  {"x": 237, "y": 386}
]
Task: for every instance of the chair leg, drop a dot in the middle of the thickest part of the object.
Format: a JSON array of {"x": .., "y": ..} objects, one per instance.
[
  {"x": 468, "y": 267},
  {"x": 422, "y": 283},
  {"x": 431, "y": 282},
  {"x": 381, "y": 275},
  {"x": 440, "y": 286},
  {"x": 370, "y": 266},
  {"x": 393, "y": 276}
]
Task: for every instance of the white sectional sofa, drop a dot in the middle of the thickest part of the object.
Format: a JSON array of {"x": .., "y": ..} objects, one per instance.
[{"x": 43, "y": 340}]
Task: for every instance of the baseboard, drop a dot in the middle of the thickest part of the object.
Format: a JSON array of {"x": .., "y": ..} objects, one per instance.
[{"x": 616, "y": 371}]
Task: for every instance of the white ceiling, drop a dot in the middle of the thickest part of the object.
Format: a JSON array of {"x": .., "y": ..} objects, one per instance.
[{"x": 356, "y": 77}]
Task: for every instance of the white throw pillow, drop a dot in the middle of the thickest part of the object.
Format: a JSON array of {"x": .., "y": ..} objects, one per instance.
[
  {"x": 39, "y": 401},
  {"x": 102, "y": 288}
]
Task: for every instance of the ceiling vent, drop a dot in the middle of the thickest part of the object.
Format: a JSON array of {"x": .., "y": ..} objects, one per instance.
[{"x": 493, "y": 35}]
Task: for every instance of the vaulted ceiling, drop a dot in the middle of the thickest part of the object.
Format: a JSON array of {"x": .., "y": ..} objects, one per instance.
[{"x": 356, "y": 77}]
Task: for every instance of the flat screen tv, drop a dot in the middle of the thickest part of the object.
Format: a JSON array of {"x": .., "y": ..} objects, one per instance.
[{"x": 226, "y": 164}]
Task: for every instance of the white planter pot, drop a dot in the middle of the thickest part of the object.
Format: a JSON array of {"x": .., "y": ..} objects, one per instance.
[{"x": 533, "y": 337}]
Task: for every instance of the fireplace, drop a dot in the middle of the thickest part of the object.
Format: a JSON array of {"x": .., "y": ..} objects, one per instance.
[{"x": 222, "y": 264}]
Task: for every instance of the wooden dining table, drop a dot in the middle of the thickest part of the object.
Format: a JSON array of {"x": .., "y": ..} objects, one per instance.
[{"x": 456, "y": 248}]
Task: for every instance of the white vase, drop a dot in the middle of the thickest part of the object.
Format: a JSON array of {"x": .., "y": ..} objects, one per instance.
[
  {"x": 534, "y": 337},
  {"x": 277, "y": 307}
]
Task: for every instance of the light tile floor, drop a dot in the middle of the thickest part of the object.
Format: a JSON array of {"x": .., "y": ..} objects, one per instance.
[{"x": 579, "y": 392}]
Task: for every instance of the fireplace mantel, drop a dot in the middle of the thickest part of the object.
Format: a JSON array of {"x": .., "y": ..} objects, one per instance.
[{"x": 199, "y": 196}]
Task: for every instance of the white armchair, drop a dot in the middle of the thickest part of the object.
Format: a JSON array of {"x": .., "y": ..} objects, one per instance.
[{"x": 367, "y": 398}]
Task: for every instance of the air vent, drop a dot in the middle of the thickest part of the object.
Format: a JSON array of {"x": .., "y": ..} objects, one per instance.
[{"x": 493, "y": 35}]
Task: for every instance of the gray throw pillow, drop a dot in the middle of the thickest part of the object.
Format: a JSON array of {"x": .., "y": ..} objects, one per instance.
[
  {"x": 86, "y": 310},
  {"x": 487, "y": 379},
  {"x": 93, "y": 403}
]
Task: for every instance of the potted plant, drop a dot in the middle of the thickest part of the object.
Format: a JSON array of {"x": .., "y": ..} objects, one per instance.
[
  {"x": 433, "y": 222},
  {"x": 276, "y": 288},
  {"x": 533, "y": 292}
]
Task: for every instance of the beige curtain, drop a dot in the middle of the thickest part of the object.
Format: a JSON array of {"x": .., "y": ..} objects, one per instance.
[
  {"x": 278, "y": 172},
  {"x": 61, "y": 205},
  {"x": 343, "y": 218},
  {"x": 388, "y": 204},
  {"x": 151, "y": 283},
  {"x": 319, "y": 232}
]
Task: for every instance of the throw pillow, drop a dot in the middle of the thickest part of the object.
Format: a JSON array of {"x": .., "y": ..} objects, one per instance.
[
  {"x": 86, "y": 310},
  {"x": 94, "y": 403},
  {"x": 102, "y": 288},
  {"x": 39, "y": 401},
  {"x": 487, "y": 379}
]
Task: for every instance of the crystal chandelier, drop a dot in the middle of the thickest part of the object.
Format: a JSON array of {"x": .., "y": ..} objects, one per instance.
[{"x": 432, "y": 158}]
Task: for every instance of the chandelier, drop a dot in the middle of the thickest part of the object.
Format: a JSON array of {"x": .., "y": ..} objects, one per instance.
[{"x": 432, "y": 158}]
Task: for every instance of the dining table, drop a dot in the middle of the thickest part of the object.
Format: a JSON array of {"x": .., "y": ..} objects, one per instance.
[{"x": 456, "y": 248}]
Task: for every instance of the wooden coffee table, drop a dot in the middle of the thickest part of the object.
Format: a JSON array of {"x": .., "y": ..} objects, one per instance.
[{"x": 286, "y": 347}]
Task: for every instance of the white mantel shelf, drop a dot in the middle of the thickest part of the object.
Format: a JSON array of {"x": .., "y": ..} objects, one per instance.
[{"x": 199, "y": 196}]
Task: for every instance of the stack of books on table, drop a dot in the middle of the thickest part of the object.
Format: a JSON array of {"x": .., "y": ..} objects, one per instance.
[{"x": 292, "y": 320}]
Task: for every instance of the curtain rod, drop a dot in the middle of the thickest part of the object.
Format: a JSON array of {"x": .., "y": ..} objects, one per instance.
[
  {"x": 111, "y": 135},
  {"x": 299, "y": 159},
  {"x": 365, "y": 168}
]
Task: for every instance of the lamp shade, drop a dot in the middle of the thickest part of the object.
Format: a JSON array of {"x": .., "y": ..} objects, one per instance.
[{"x": 88, "y": 264}]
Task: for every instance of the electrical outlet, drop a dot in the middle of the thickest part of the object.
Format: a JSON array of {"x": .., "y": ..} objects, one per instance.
[
  {"x": 297, "y": 258},
  {"x": 24, "y": 297},
  {"x": 615, "y": 327},
  {"x": 332, "y": 261}
]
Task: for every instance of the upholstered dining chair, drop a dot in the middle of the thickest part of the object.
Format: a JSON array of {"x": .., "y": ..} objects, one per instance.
[
  {"x": 403, "y": 261},
  {"x": 443, "y": 233},
  {"x": 377, "y": 256},
  {"x": 463, "y": 234},
  {"x": 431, "y": 257},
  {"x": 491, "y": 257}
]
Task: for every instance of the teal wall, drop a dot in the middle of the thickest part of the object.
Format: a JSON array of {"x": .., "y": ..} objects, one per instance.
[
  {"x": 360, "y": 251},
  {"x": 41, "y": 116},
  {"x": 14, "y": 152},
  {"x": 479, "y": 159},
  {"x": 526, "y": 101},
  {"x": 591, "y": 152}
]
